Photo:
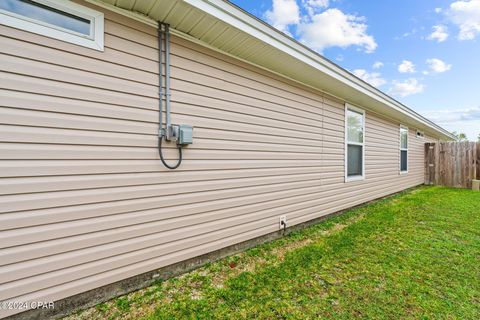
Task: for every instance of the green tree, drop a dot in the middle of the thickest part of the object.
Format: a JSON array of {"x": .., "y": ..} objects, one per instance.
[
  {"x": 478, "y": 138},
  {"x": 460, "y": 136}
]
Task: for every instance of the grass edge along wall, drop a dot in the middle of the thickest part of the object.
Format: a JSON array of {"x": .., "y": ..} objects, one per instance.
[
  {"x": 85, "y": 200},
  {"x": 367, "y": 263}
]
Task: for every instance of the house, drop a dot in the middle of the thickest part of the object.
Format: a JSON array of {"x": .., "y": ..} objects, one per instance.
[{"x": 88, "y": 209}]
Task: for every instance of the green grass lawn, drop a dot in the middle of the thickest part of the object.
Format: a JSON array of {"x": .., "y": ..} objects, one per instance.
[{"x": 413, "y": 255}]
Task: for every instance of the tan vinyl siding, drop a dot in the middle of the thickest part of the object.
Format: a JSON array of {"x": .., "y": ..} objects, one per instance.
[{"x": 85, "y": 200}]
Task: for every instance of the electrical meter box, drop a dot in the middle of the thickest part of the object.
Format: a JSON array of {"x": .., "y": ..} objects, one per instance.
[
  {"x": 185, "y": 134},
  {"x": 181, "y": 133}
]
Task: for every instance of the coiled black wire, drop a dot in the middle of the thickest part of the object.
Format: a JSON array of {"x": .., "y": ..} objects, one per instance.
[{"x": 160, "y": 139}]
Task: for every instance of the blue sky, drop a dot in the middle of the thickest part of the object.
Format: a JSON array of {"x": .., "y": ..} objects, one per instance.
[{"x": 426, "y": 54}]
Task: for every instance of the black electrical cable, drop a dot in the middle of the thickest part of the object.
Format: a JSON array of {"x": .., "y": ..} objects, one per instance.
[{"x": 180, "y": 157}]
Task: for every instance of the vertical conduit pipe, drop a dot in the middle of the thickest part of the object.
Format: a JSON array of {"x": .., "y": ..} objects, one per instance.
[
  {"x": 164, "y": 35},
  {"x": 167, "y": 75},
  {"x": 160, "y": 81}
]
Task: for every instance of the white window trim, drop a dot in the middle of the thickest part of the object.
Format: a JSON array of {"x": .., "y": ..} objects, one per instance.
[
  {"x": 402, "y": 127},
  {"x": 94, "y": 41},
  {"x": 361, "y": 111}
]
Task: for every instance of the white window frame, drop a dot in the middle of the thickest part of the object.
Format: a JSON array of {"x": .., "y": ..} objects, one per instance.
[
  {"x": 94, "y": 41},
  {"x": 402, "y": 127},
  {"x": 362, "y": 112}
]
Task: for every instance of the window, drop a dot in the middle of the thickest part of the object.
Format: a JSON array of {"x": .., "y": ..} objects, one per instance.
[
  {"x": 59, "y": 19},
  {"x": 403, "y": 150},
  {"x": 354, "y": 143}
]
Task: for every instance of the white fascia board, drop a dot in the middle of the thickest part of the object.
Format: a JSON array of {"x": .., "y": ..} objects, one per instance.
[{"x": 241, "y": 20}]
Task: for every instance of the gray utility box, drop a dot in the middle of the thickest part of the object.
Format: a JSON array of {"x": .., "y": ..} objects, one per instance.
[
  {"x": 185, "y": 134},
  {"x": 181, "y": 133}
]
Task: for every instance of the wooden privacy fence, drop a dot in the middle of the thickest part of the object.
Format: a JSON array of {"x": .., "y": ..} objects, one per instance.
[{"x": 453, "y": 164}]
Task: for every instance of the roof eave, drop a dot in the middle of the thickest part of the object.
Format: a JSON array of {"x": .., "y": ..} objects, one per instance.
[
  {"x": 257, "y": 28},
  {"x": 347, "y": 86}
]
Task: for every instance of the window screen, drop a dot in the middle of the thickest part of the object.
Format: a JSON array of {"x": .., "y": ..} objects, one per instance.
[
  {"x": 355, "y": 160},
  {"x": 403, "y": 160},
  {"x": 403, "y": 149}
]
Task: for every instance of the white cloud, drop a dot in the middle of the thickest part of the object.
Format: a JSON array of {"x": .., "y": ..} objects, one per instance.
[
  {"x": 438, "y": 66},
  {"x": 317, "y": 3},
  {"x": 406, "y": 67},
  {"x": 406, "y": 34},
  {"x": 313, "y": 6},
  {"x": 455, "y": 115},
  {"x": 466, "y": 15},
  {"x": 377, "y": 65},
  {"x": 283, "y": 14},
  {"x": 438, "y": 10},
  {"x": 461, "y": 120},
  {"x": 406, "y": 88},
  {"x": 334, "y": 28},
  {"x": 374, "y": 78},
  {"x": 440, "y": 33}
]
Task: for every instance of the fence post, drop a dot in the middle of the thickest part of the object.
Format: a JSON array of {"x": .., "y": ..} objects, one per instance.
[
  {"x": 429, "y": 163},
  {"x": 477, "y": 160},
  {"x": 470, "y": 164}
]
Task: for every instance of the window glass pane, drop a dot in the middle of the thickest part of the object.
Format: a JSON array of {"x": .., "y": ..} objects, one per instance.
[
  {"x": 46, "y": 14},
  {"x": 354, "y": 162},
  {"x": 403, "y": 138},
  {"x": 403, "y": 160},
  {"x": 354, "y": 126}
]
